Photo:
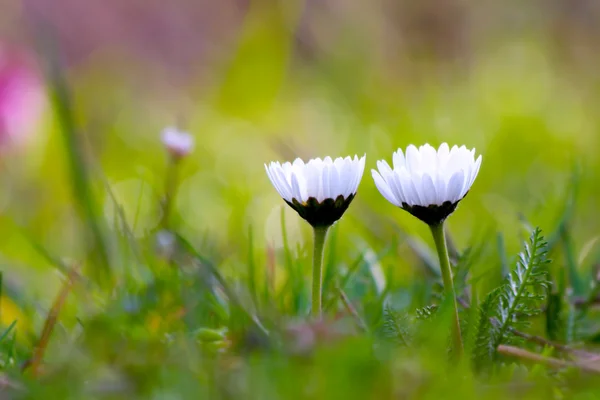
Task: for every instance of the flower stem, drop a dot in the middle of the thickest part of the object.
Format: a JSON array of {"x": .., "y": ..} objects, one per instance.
[
  {"x": 320, "y": 234},
  {"x": 440, "y": 243},
  {"x": 170, "y": 191}
]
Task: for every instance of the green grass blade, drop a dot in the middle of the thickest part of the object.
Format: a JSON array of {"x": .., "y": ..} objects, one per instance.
[
  {"x": 7, "y": 331},
  {"x": 252, "y": 267},
  {"x": 77, "y": 164}
]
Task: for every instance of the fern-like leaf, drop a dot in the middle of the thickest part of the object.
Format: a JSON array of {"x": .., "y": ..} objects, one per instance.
[
  {"x": 396, "y": 327},
  {"x": 486, "y": 333},
  {"x": 518, "y": 298},
  {"x": 526, "y": 286},
  {"x": 426, "y": 313}
]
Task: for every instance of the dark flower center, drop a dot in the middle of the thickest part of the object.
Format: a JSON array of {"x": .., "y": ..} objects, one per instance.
[
  {"x": 432, "y": 214},
  {"x": 324, "y": 213}
]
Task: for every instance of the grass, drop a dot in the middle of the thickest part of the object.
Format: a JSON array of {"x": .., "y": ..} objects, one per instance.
[
  {"x": 173, "y": 325},
  {"x": 214, "y": 301}
]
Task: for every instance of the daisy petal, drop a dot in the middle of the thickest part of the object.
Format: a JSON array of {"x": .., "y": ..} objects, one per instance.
[
  {"x": 296, "y": 191},
  {"x": 429, "y": 190},
  {"x": 320, "y": 179},
  {"x": 326, "y": 193},
  {"x": 384, "y": 189},
  {"x": 398, "y": 159},
  {"x": 428, "y": 177},
  {"x": 455, "y": 186},
  {"x": 413, "y": 159}
]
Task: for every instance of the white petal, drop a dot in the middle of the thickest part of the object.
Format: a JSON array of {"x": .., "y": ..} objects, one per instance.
[
  {"x": 348, "y": 181},
  {"x": 319, "y": 184},
  {"x": 443, "y": 153},
  {"x": 468, "y": 170},
  {"x": 384, "y": 189},
  {"x": 428, "y": 176},
  {"x": 475, "y": 171},
  {"x": 384, "y": 168},
  {"x": 334, "y": 182},
  {"x": 311, "y": 173},
  {"x": 417, "y": 182},
  {"x": 456, "y": 160},
  {"x": 351, "y": 178},
  {"x": 404, "y": 180},
  {"x": 389, "y": 177},
  {"x": 440, "y": 188},
  {"x": 339, "y": 164},
  {"x": 286, "y": 189},
  {"x": 326, "y": 184},
  {"x": 274, "y": 181},
  {"x": 455, "y": 185},
  {"x": 413, "y": 159},
  {"x": 297, "y": 191},
  {"x": 287, "y": 170},
  {"x": 314, "y": 166},
  {"x": 453, "y": 150},
  {"x": 318, "y": 178},
  {"x": 298, "y": 164},
  {"x": 398, "y": 189},
  {"x": 398, "y": 159},
  {"x": 336, "y": 170},
  {"x": 358, "y": 172},
  {"x": 428, "y": 158},
  {"x": 429, "y": 191}
]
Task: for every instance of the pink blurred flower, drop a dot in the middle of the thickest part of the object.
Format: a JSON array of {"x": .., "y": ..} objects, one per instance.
[
  {"x": 22, "y": 98},
  {"x": 178, "y": 143}
]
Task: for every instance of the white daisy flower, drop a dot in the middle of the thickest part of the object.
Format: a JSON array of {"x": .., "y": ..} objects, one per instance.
[
  {"x": 428, "y": 183},
  {"x": 178, "y": 143},
  {"x": 319, "y": 190}
]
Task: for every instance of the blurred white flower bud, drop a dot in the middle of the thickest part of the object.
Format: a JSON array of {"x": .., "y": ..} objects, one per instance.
[{"x": 178, "y": 143}]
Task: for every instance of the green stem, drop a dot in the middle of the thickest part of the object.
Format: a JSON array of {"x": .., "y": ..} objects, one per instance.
[
  {"x": 440, "y": 243},
  {"x": 320, "y": 234},
  {"x": 170, "y": 191}
]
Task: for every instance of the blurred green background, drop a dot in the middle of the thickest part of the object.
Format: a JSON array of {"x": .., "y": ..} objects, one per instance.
[{"x": 262, "y": 80}]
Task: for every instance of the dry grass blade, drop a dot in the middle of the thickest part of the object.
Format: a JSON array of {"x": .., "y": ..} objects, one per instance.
[
  {"x": 545, "y": 342},
  {"x": 525, "y": 356},
  {"x": 38, "y": 353}
]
